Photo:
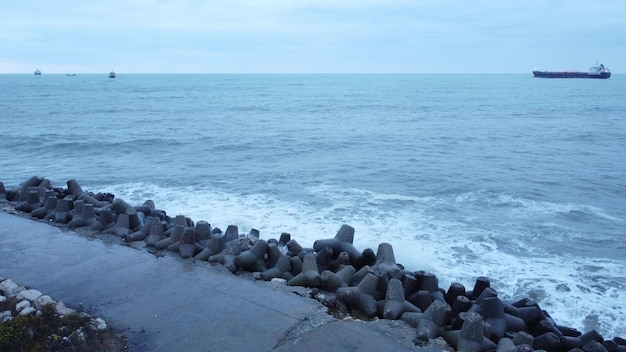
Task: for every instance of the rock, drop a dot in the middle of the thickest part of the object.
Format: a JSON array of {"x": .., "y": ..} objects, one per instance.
[
  {"x": 9, "y": 288},
  {"x": 98, "y": 324},
  {"x": 61, "y": 309},
  {"x": 28, "y": 311},
  {"x": 30, "y": 295},
  {"x": 43, "y": 301},
  {"x": 5, "y": 316},
  {"x": 279, "y": 281},
  {"x": 21, "y": 305}
]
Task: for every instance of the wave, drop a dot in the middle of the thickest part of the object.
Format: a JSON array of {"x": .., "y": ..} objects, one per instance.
[{"x": 456, "y": 246}]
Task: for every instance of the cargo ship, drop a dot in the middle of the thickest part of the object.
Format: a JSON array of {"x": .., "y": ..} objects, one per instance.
[{"x": 594, "y": 72}]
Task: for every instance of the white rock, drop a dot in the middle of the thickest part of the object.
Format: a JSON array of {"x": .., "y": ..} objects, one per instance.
[
  {"x": 9, "y": 288},
  {"x": 5, "y": 316},
  {"x": 43, "y": 301},
  {"x": 21, "y": 305},
  {"x": 28, "y": 311},
  {"x": 30, "y": 295},
  {"x": 98, "y": 324},
  {"x": 61, "y": 309},
  {"x": 279, "y": 281}
]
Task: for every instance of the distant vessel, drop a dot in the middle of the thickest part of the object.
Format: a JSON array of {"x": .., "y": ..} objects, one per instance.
[
  {"x": 37, "y": 72},
  {"x": 594, "y": 72},
  {"x": 111, "y": 74},
  {"x": 70, "y": 74}
]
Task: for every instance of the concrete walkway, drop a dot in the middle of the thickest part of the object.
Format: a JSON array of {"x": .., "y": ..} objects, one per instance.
[{"x": 169, "y": 304}]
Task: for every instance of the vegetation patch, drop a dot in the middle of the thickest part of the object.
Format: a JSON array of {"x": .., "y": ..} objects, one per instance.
[{"x": 51, "y": 332}]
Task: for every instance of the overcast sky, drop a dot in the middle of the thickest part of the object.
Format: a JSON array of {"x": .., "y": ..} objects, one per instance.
[{"x": 310, "y": 36}]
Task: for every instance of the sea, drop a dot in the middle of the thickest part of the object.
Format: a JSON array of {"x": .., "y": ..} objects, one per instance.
[{"x": 516, "y": 178}]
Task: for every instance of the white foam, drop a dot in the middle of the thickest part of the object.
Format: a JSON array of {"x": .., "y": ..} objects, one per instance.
[{"x": 453, "y": 246}]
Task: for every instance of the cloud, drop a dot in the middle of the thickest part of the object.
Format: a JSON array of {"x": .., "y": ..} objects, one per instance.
[{"x": 305, "y": 36}]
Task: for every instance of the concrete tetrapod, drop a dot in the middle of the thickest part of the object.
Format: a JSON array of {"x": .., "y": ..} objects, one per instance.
[
  {"x": 279, "y": 270},
  {"x": 213, "y": 247},
  {"x": 174, "y": 237},
  {"x": 454, "y": 290},
  {"x": 273, "y": 253},
  {"x": 331, "y": 281},
  {"x": 361, "y": 296},
  {"x": 253, "y": 260},
  {"x": 527, "y": 310},
  {"x": 156, "y": 232},
  {"x": 395, "y": 304},
  {"x": 13, "y": 193},
  {"x": 570, "y": 342},
  {"x": 429, "y": 282},
  {"x": 140, "y": 235},
  {"x": 430, "y": 322},
  {"x": 342, "y": 242},
  {"x": 500, "y": 322},
  {"x": 202, "y": 233},
  {"x": 76, "y": 209},
  {"x": 187, "y": 244},
  {"x": 87, "y": 217},
  {"x": 386, "y": 262},
  {"x": 73, "y": 188},
  {"x": 471, "y": 337},
  {"x": 89, "y": 199},
  {"x": 106, "y": 220},
  {"x": 481, "y": 283},
  {"x": 31, "y": 203},
  {"x": 121, "y": 227},
  {"x": 310, "y": 276},
  {"x": 61, "y": 213},
  {"x": 46, "y": 209}
]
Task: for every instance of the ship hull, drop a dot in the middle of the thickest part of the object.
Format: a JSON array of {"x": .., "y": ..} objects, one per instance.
[{"x": 563, "y": 74}]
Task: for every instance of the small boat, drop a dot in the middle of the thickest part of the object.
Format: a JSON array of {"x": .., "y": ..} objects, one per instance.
[
  {"x": 111, "y": 74},
  {"x": 37, "y": 72},
  {"x": 70, "y": 74},
  {"x": 594, "y": 72}
]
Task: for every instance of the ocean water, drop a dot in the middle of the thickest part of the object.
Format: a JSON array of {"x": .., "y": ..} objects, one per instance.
[{"x": 519, "y": 179}]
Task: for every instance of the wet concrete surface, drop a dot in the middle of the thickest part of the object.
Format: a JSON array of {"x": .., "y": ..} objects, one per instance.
[{"x": 170, "y": 304}]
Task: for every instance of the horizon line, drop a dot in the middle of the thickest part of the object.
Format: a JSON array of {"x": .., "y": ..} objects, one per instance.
[{"x": 268, "y": 73}]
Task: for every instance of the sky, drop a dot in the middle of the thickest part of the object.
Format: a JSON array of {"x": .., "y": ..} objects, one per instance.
[{"x": 310, "y": 36}]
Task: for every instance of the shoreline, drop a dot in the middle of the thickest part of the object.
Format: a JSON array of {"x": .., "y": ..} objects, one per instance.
[{"x": 349, "y": 282}]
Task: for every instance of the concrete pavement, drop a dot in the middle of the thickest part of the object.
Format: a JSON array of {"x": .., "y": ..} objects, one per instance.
[{"x": 170, "y": 304}]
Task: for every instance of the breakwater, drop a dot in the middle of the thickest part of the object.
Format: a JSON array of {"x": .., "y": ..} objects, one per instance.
[{"x": 361, "y": 283}]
